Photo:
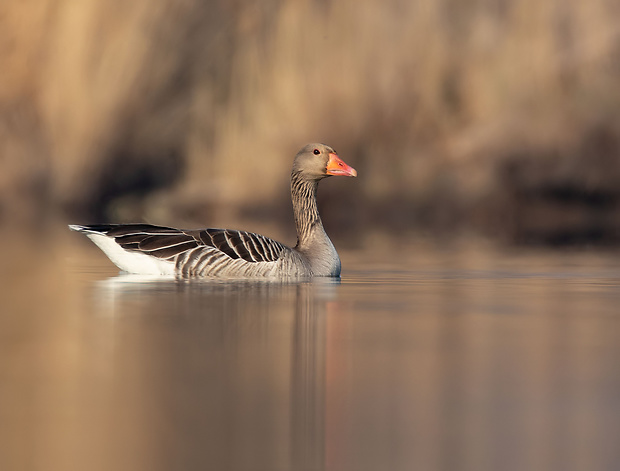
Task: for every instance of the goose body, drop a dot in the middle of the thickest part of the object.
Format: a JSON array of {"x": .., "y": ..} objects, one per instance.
[{"x": 157, "y": 250}]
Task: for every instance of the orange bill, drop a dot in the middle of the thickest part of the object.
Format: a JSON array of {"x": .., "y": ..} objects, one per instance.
[{"x": 336, "y": 166}]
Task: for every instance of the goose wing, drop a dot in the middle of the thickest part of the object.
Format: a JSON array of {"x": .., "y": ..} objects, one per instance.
[{"x": 192, "y": 251}]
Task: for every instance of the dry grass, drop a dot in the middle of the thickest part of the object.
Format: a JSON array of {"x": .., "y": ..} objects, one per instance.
[{"x": 172, "y": 111}]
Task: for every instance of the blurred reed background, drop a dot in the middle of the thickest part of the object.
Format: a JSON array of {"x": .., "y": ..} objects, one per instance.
[{"x": 490, "y": 117}]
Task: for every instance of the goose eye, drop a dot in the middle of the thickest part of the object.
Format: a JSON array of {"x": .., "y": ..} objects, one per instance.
[{"x": 316, "y": 151}]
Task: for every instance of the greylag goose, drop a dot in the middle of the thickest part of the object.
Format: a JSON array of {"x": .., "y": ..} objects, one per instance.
[{"x": 156, "y": 250}]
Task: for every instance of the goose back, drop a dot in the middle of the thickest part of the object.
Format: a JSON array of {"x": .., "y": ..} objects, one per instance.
[{"x": 206, "y": 252}]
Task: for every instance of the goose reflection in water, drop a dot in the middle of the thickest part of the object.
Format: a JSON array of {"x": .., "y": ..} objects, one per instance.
[{"x": 236, "y": 356}]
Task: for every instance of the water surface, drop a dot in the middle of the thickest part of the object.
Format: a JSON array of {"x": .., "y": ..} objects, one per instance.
[{"x": 438, "y": 358}]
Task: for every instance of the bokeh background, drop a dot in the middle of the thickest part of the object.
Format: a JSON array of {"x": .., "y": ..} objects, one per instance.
[
  {"x": 492, "y": 118},
  {"x": 491, "y": 123}
]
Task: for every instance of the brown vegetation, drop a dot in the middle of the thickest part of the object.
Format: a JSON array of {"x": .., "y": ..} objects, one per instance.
[{"x": 497, "y": 117}]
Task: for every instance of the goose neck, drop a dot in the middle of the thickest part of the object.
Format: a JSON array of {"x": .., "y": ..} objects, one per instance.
[{"x": 307, "y": 218}]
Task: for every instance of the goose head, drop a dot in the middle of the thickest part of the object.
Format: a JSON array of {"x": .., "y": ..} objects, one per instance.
[{"x": 317, "y": 161}]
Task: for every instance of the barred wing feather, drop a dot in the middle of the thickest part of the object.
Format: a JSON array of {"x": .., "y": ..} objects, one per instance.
[{"x": 240, "y": 244}]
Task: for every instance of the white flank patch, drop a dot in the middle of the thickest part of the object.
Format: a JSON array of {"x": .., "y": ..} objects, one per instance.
[{"x": 131, "y": 262}]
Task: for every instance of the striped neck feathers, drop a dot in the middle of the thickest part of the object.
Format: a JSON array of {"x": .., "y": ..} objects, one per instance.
[{"x": 307, "y": 219}]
